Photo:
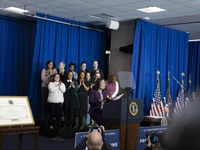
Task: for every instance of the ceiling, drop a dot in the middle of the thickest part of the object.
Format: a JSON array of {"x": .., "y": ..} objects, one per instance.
[{"x": 182, "y": 15}]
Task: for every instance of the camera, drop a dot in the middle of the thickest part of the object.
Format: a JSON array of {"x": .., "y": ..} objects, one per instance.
[
  {"x": 153, "y": 137},
  {"x": 97, "y": 128}
]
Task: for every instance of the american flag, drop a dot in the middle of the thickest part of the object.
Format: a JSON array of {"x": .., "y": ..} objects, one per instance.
[
  {"x": 179, "y": 104},
  {"x": 157, "y": 108},
  {"x": 168, "y": 94}
]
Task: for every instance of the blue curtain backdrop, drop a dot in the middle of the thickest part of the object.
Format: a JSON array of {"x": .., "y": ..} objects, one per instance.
[
  {"x": 16, "y": 49},
  {"x": 158, "y": 48},
  {"x": 60, "y": 42},
  {"x": 194, "y": 65}
]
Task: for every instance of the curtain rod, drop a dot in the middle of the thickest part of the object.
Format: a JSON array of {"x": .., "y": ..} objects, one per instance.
[
  {"x": 61, "y": 22},
  {"x": 193, "y": 40},
  {"x": 53, "y": 20}
]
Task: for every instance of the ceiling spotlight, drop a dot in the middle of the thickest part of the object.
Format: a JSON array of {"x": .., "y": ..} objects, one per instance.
[
  {"x": 112, "y": 24},
  {"x": 16, "y": 10}
]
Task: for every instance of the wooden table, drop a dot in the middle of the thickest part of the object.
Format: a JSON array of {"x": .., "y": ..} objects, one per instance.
[
  {"x": 151, "y": 121},
  {"x": 20, "y": 130}
]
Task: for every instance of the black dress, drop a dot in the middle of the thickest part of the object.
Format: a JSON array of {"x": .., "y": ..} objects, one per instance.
[{"x": 83, "y": 98}]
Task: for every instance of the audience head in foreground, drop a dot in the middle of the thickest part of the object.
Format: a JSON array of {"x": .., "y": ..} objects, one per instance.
[
  {"x": 184, "y": 132},
  {"x": 94, "y": 141}
]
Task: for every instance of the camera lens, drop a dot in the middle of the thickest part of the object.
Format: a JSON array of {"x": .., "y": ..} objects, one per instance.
[
  {"x": 154, "y": 138},
  {"x": 95, "y": 128}
]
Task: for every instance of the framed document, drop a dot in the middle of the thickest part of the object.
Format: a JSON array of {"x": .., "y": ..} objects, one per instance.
[{"x": 15, "y": 110}]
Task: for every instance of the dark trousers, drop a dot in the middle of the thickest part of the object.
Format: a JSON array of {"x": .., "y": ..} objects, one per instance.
[
  {"x": 55, "y": 114},
  {"x": 69, "y": 107},
  {"x": 44, "y": 107},
  {"x": 82, "y": 96}
]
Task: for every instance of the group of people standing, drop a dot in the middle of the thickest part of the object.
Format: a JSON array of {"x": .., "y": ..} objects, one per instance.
[{"x": 66, "y": 94}]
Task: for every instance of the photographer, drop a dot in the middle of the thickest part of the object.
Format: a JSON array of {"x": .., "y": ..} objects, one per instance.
[
  {"x": 94, "y": 140},
  {"x": 153, "y": 142}
]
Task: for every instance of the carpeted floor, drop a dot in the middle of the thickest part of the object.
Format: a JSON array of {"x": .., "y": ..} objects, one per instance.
[{"x": 45, "y": 143}]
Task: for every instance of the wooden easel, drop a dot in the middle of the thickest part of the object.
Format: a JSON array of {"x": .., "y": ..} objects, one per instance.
[{"x": 20, "y": 130}]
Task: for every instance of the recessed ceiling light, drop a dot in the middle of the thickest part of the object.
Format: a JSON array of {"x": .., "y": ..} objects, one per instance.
[
  {"x": 16, "y": 10},
  {"x": 151, "y": 9}
]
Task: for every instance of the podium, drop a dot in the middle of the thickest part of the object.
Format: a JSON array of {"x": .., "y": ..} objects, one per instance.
[{"x": 126, "y": 117}]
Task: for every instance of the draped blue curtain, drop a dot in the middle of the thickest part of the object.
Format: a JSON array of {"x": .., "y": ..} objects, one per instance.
[
  {"x": 16, "y": 49},
  {"x": 158, "y": 48},
  {"x": 194, "y": 65},
  {"x": 60, "y": 42}
]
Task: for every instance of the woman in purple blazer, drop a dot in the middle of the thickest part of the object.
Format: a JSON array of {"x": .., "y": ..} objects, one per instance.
[{"x": 97, "y": 98}]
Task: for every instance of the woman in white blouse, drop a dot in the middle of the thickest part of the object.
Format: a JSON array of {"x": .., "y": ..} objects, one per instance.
[{"x": 55, "y": 101}]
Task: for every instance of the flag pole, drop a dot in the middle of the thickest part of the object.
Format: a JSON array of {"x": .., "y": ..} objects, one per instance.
[
  {"x": 168, "y": 79},
  {"x": 190, "y": 83},
  {"x": 182, "y": 74},
  {"x": 177, "y": 81}
]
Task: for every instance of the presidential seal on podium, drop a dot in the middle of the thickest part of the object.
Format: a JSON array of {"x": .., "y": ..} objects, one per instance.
[{"x": 133, "y": 108}]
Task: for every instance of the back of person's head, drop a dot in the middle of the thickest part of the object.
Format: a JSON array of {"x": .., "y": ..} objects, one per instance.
[
  {"x": 184, "y": 131},
  {"x": 94, "y": 141}
]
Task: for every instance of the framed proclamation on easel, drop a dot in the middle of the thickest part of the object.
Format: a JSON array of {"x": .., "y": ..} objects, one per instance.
[{"x": 15, "y": 111}]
